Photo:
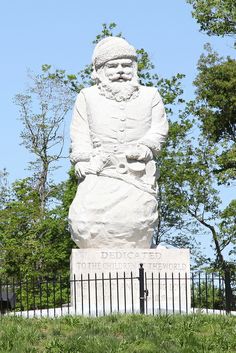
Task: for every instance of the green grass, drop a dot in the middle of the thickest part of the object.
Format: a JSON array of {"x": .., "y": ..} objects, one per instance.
[{"x": 123, "y": 334}]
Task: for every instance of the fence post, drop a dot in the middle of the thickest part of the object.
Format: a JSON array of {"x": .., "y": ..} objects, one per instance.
[
  {"x": 228, "y": 296},
  {"x": 141, "y": 288}
]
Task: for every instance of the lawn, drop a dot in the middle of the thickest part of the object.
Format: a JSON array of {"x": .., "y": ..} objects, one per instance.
[{"x": 121, "y": 333}]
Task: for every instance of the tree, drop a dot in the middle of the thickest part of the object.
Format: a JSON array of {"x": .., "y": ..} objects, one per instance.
[
  {"x": 191, "y": 201},
  {"x": 214, "y": 109},
  {"x": 32, "y": 246},
  {"x": 43, "y": 108},
  {"x": 215, "y": 82},
  {"x": 4, "y": 188},
  {"x": 215, "y": 106},
  {"x": 34, "y": 237},
  {"x": 216, "y": 86},
  {"x": 216, "y": 17}
]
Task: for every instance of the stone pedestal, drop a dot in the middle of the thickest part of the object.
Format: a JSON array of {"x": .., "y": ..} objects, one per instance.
[{"x": 105, "y": 281}]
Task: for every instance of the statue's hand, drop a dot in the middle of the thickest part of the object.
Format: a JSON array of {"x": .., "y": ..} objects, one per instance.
[
  {"x": 139, "y": 153},
  {"x": 80, "y": 170}
]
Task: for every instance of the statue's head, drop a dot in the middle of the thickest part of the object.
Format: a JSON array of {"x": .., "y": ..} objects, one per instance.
[{"x": 115, "y": 68}]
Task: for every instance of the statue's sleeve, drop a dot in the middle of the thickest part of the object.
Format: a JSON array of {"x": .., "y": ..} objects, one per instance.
[
  {"x": 158, "y": 131},
  {"x": 81, "y": 144}
]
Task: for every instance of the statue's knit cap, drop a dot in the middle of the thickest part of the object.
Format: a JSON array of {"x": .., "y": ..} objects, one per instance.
[{"x": 111, "y": 48}]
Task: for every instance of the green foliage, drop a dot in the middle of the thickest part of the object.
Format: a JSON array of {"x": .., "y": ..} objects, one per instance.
[
  {"x": 216, "y": 87},
  {"x": 215, "y": 106},
  {"x": 207, "y": 296},
  {"x": 67, "y": 191},
  {"x": 123, "y": 334},
  {"x": 4, "y": 188},
  {"x": 189, "y": 199},
  {"x": 170, "y": 89},
  {"x": 107, "y": 31},
  {"x": 216, "y": 17},
  {"x": 38, "y": 293},
  {"x": 228, "y": 226},
  {"x": 69, "y": 81},
  {"x": 31, "y": 245}
]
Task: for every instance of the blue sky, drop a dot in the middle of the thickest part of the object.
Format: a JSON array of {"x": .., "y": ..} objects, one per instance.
[{"x": 61, "y": 33}]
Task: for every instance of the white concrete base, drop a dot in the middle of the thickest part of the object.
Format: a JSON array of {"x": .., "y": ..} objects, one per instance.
[
  {"x": 58, "y": 312},
  {"x": 105, "y": 281}
]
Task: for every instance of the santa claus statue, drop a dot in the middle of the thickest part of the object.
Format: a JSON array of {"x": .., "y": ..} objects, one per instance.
[{"x": 117, "y": 129}]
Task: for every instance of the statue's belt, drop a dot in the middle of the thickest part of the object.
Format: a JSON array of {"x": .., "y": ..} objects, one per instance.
[{"x": 128, "y": 179}]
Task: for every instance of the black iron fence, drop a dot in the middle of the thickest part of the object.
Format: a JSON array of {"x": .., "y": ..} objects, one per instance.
[{"x": 96, "y": 295}]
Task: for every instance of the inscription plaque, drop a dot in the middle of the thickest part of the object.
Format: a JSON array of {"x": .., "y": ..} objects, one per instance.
[{"x": 105, "y": 281}]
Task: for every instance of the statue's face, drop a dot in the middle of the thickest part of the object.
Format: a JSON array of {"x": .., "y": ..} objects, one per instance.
[{"x": 119, "y": 70}]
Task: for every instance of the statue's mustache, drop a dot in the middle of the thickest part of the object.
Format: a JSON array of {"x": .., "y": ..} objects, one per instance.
[{"x": 121, "y": 76}]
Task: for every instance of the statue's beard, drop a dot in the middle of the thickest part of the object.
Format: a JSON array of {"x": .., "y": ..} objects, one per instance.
[{"x": 119, "y": 90}]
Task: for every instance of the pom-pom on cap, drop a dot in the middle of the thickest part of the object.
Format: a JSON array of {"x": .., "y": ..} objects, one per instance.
[{"x": 111, "y": 48}]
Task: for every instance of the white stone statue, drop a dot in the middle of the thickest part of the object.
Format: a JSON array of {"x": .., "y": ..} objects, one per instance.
[{"x": 118, "y": 126}]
